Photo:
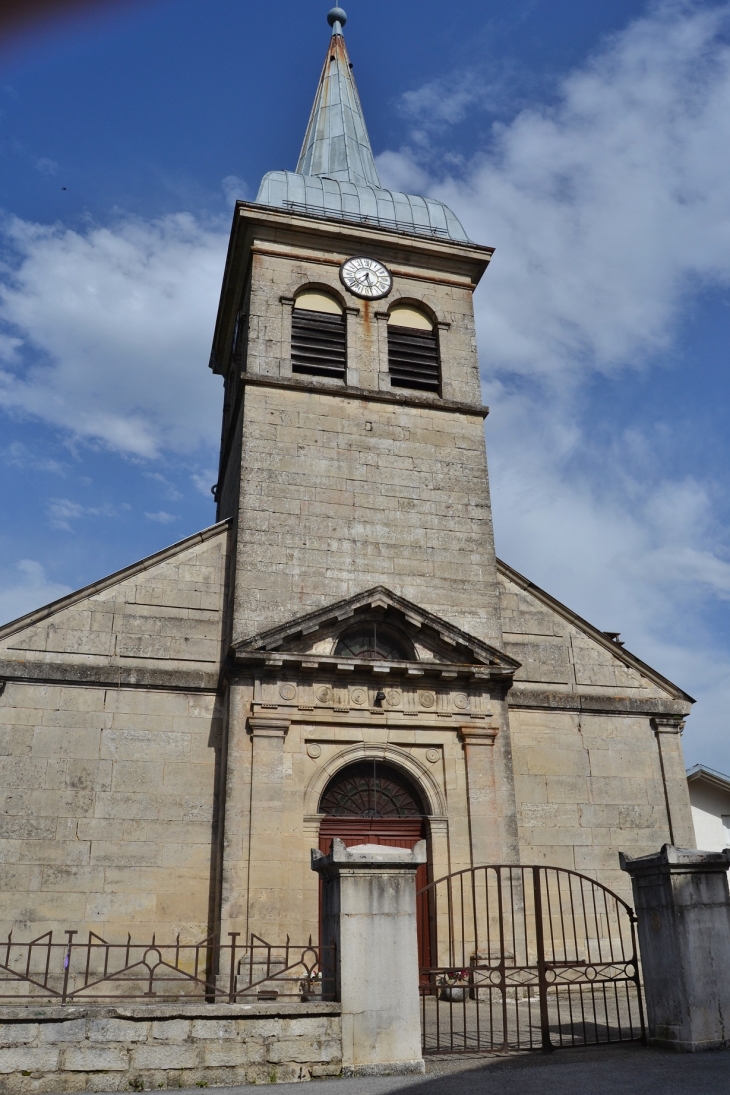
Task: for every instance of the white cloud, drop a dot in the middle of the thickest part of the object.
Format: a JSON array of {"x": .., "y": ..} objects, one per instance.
[
  {"x": 235, "y": 189},
  {"x": 46, "y": 166},
  {"x": 62, "y": 511},
  {"x": 203, "y": 481},
  {"x": 107, "y": 332},
  {"x": 610, "y": 212},
  {"x": 30, "y": 590},
  {"x": 608, "y": 208},
  {"x": 169, "y": 490},
  {"x": 162, "y": 517},
  {"x": 18, "y": 455}
]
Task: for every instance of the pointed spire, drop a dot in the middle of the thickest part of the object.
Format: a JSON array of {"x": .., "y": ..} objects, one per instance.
[{"x": 336, "y": 143}]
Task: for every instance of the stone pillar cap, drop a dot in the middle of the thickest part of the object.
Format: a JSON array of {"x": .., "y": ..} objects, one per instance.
[
  {"x": 372, "y": 856},
  {"x": 670, "y": 858}
]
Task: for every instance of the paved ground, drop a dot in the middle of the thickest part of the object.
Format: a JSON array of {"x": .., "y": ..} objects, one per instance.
[{"x": 629, "y": 1070}]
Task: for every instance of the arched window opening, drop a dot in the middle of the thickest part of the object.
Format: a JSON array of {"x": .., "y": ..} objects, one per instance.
[
  {"x": 318, "y": 335},
  {"x": 371, "y": 789},
  {"x": 413, "y": 350},
  {"x": 375, "y": 642}
]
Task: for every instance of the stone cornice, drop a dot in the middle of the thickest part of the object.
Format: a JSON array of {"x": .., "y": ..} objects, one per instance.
[
  {"x": 596, "y": 704},
  {"x": 307, "y": 664},
  {"x": 109, "y": 676},
  {"x": 371, "y": 395}
]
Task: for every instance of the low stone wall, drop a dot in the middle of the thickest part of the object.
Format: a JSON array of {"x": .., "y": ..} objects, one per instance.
[{"x": 58, "y": 1049}]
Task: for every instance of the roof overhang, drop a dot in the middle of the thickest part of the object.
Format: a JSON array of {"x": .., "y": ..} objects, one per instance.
[{"x": 700, "y": 774}]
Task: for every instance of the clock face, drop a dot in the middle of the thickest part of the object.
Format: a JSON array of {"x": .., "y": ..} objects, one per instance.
[{"x": 366, "y": 278}]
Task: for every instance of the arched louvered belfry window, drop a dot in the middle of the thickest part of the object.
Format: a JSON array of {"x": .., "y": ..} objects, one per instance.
[
  {"x": 371, "y": 789},
  {"x": 318, "y": 335},
  {"x": 413, "y": 349}
]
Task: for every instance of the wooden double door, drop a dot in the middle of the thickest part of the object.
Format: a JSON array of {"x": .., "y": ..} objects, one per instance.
[{"x": 394, "y": 817}]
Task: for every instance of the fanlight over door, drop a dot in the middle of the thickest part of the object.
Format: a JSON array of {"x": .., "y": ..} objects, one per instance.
[{"x": 370, "y": 789}]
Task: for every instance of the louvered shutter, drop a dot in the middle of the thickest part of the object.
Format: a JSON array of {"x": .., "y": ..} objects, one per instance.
[
  {"x": 318, "y": 343},
  {"x": 413, "y": 358}
]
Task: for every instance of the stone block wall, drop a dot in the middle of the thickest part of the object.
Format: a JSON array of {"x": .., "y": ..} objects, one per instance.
[
  {"x": 587, "y": 787},
  {"x": 339, "y": 495},
  {"x": 596, "y": 746},
  {"x": 46, "y": 1049},
  {"x": 106, "y": 810}
]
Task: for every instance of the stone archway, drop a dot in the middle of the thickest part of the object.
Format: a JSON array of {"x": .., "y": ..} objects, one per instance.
[{"x": 371, "y": 801}]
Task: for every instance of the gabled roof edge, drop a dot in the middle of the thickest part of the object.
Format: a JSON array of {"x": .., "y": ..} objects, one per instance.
[
  {"x": 700, "y": 771},
  {"x": 40, "y": 614},
  {"x": 572, "y": 617}
]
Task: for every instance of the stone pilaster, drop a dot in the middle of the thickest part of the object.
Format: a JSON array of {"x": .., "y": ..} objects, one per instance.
[
  {"x": 482, "y": 797},
  {"x": 668, "y": 730},
  {"x": 237, "y": 816},
  {"x": 268, "y": 868}
]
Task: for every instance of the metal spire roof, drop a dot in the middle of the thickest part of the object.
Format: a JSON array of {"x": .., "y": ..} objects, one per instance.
[
  {"x": 336, "y": 177},
  {"x": 336, "y": 143}
]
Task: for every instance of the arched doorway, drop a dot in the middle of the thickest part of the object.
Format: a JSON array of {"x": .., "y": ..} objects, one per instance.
[{"x": 370, "y": 802}]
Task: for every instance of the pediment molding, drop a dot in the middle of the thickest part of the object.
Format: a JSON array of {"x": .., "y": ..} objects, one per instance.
[{"x": 307, "y": 642}]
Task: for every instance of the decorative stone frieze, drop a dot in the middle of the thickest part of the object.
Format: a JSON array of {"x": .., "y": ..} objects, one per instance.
[{"x": 306, "y": 699}]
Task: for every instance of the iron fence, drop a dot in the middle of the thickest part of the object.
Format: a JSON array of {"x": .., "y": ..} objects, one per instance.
[
  {"x": 527, "y": 958},
  {"x": 70, "y": 971}
]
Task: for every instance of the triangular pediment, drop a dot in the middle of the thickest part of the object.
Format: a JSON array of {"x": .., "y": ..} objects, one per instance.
[{"x": 427, "y": 640}]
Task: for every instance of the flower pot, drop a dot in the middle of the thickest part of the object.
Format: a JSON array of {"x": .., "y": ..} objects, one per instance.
[{"x": 455, "y": 993}]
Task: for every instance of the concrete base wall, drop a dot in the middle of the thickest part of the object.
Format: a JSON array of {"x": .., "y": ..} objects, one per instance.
[{"x": 54, "y": 1049}]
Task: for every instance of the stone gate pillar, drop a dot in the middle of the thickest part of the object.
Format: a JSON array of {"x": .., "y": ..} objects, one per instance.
[
  {"x": 371, "y": 955},
  {"x": 683, "y": 910}
]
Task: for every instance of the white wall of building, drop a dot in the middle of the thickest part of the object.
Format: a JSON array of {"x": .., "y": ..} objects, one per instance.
[{"x": 710, "y": 812}]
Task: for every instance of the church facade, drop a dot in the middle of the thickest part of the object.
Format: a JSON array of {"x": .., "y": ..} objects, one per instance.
[{"x": 341, "y": 654}]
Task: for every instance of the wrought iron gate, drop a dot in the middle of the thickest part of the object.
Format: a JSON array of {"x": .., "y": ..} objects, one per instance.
[{"x": 528, "y": 958}]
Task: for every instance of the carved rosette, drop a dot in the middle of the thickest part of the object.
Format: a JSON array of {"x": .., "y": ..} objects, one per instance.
[{"x": 401, "y": 700}]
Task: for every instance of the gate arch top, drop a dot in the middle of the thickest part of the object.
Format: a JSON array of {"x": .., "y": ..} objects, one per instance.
[
  {"x": 432, "y": 794},
  {"x": 536, "y": 957}
]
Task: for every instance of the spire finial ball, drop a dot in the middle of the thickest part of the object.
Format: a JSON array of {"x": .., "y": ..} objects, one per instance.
[{"x": 336, "y": 15}]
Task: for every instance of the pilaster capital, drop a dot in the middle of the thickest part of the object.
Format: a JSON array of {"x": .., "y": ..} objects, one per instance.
[
  {"x": 667, "y": 724},
  {"x": 268, "y": 728},
  {"x": 478, "y": 735}
]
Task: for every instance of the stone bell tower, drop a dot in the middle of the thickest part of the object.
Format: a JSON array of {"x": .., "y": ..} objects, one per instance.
[
  {"x": 352, "y": 460},
  {"x": 352, "y": 448}
]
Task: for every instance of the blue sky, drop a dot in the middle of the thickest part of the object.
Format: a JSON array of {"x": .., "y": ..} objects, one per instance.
[{"x": 589, "y": 143}]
